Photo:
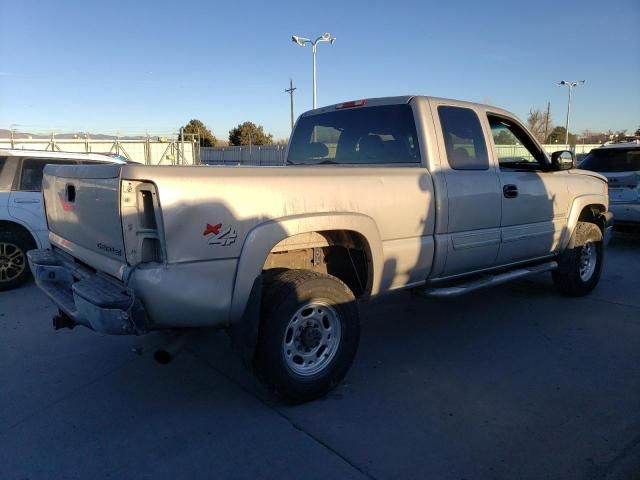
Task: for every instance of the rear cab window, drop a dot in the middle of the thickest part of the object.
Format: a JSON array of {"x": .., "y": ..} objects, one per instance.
[
  {"x": 614, "y": 160},
  {"x": 384, "y": 134}
]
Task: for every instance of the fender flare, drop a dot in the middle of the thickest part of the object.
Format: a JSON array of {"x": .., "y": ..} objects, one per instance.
[
  {"x": 263, "y": 237},
  {"x": 578, "y": 205}
]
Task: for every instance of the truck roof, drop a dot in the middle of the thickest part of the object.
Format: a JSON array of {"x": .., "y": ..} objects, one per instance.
[
  {"x": 378, "y": 101},
  {"x": 97, "y": 157}
]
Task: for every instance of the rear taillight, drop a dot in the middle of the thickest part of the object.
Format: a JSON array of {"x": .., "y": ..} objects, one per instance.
[{"x": 140, "y": 222}]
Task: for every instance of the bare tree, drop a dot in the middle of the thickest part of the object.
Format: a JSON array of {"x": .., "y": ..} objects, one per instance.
[{"x": 538, "y": 123}]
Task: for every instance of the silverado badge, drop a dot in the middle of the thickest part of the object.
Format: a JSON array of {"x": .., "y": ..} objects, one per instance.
[{"x": 223, "y": 236}]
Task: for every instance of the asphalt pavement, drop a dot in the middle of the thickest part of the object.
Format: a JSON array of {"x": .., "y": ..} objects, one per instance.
[{"x": 515, "y": 382}]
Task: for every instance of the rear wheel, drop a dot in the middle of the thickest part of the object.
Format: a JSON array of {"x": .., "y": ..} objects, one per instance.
[
  {"x": 308, "y": 336},
  {"x": 14, "y": 268},
  {"x": 580, "y": 265}
]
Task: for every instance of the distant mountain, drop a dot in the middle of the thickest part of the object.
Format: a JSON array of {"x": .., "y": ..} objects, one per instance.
[{"x": 5, "y": 133}]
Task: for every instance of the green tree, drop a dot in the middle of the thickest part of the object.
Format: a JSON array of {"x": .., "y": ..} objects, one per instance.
[
  {"x": 248, "y": 133},
  {"x": 558, "y": 134},
  {"x": 504, "y": 138},
  {"x": 637, "y": 134},
  {"x": 196, "y": 127}
]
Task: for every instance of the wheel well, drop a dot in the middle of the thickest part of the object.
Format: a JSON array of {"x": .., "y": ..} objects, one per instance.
[
  {"x": 12, "y": 227},
  {"x": 342, "y": 253},
  {"x": 591, "y": 214}
]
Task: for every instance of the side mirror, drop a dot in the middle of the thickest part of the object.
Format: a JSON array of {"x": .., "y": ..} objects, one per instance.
[{"x": 562, "y": 160}]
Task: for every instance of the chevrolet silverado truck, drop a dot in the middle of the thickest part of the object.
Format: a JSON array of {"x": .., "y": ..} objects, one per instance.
[{"x": 441, "y": 196}]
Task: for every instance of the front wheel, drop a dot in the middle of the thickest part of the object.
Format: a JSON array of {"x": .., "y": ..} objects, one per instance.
[
  {"x": 309, "y": 334},
  {"x": 580, "y": 265}
]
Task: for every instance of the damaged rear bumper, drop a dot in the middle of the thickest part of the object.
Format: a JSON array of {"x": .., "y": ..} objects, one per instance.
[{"x": 89, "y": 299}]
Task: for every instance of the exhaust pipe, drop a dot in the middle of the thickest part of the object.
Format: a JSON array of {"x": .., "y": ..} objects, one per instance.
[
  {"x": 62, "y": 320},
  {"x": 170, "y": 350}
]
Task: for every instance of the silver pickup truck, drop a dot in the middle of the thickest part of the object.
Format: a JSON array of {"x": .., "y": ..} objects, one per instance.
[{"x": 383, "y": 194}]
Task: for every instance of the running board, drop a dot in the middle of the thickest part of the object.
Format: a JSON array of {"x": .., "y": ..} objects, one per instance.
[{"x": 486, "y": 281}]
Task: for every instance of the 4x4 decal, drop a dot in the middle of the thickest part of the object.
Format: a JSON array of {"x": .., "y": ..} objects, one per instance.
[{"x": 223, "y": 236}]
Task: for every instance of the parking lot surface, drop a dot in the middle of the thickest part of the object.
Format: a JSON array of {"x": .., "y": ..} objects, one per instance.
[{"x": 516, "y": 382}]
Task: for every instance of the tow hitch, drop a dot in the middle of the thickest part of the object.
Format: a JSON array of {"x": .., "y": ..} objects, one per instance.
[{"x": 62, "y": 320}]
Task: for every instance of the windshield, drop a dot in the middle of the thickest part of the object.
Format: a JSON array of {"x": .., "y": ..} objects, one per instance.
[
  {"x": 612, "y": 160},
  {"x": 370, "y": 135}
]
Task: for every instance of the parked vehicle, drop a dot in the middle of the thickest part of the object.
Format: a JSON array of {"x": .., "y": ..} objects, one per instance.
[
  {"x": 620, "y": 163},
  {"x": 379, "y": 195},
  {"x": 22, "y": 223}
]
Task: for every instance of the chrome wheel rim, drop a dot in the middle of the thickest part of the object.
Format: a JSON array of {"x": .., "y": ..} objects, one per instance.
[
  {"x": 312, "y": 338},
  {"x": 12, "y": 261},
  {"x": 588, "y": 260}
]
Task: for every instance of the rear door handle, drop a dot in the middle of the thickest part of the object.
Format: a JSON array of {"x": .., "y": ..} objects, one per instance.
[
  {"x": 510, "y": 191},
  {"x": 17, "y": 200}
]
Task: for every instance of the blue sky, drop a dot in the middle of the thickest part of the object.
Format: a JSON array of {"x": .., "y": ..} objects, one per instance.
[{"x": 138, "y": 65}]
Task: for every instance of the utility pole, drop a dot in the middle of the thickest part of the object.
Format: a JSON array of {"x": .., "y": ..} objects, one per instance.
[
  {"x": 290, "y": 91},
  {"x": 546, "y": 123}
]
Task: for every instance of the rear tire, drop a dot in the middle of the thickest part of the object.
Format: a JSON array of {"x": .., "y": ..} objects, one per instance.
[
  {"x": 308, "y": 336},
  {"x": 580, "y": 265},
  {"x": 14, "y": 268}
]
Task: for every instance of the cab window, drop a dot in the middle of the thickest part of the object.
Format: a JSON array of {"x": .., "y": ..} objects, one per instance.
[
  {"x": 463, "y": 138},
  {"x": 383, "y": 134},
  {"x": 514, "y": 148},
  {"x": 31, "y": 172}
]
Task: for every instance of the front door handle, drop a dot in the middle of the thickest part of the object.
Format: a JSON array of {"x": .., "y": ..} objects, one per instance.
[{"x": 510, "y": 191}]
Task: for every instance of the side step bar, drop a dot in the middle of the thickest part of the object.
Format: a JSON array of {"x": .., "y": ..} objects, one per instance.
[{"x": 486, "y": 281}]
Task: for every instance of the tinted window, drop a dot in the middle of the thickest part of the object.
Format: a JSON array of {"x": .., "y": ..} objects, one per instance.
[
  {"x": 367, "y": 135},
  {"x": 31, "y": 174},
  {"x": 612, "y": 160},
  {"x": 514, "y": 147},
  {"x": 463, "y": 139},
  {"x": 6, "y": 179}
]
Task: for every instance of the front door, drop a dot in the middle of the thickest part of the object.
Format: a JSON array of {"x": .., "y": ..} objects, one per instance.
[{"x": 535, "y": 201}]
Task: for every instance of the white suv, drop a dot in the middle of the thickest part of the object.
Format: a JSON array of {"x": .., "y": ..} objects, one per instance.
[{"x": 22, "y": 223}]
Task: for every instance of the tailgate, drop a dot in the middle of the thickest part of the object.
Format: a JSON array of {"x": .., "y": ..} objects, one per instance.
[{"x": 83, "y": 212}]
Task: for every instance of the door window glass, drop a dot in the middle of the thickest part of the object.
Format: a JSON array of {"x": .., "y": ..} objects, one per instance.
[
  {"x": 32, "y": 169},
  {"x": 463, "y": 139},
  {"x": 514, "y": 147}
]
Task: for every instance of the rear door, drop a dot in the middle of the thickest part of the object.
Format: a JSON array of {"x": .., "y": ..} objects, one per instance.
[
  {"x": 473, "y": 191},
  {"x": 535, "y": 202}
]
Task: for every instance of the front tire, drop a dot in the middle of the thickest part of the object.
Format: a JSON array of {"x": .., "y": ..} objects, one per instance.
[
  {"x": 309, "y": 334},
  {"x": 14, "y": 268},
  {"x": 580, "y": 265}
]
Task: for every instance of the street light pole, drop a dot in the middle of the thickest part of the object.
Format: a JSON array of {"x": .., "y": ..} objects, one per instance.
[
  {"x": 325, "y": 37},
  {"x": 571, "y": 86},
  {"x": 314, "y": 49}
]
